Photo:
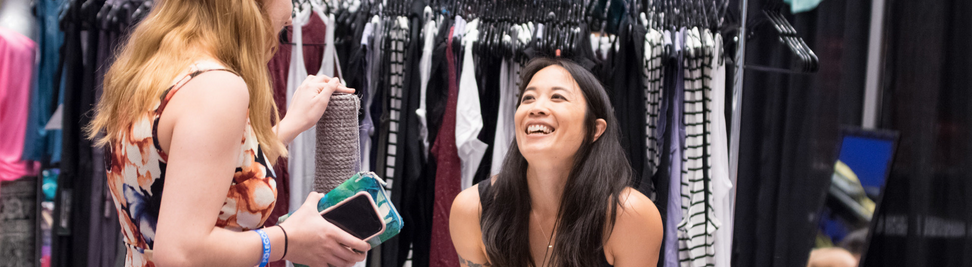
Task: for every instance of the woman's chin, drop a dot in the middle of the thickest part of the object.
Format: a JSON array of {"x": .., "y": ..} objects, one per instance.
[
  {"x": 542, "y": 152},
  {"x": 537, "y": 148}
]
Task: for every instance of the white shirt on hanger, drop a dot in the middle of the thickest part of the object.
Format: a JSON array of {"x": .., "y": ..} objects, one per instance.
[
  {"x": 425, "y": 69},
  {"x": 721, "y": 185},
  {"x": 504, "y": 119},
  {"x": 304, "y": 147},
  {"x": 295, "y": 76},
  {"x": 469, "y": 117}
]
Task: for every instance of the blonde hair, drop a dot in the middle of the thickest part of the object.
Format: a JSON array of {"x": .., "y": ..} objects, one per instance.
[{"x": 237, "y": 33}]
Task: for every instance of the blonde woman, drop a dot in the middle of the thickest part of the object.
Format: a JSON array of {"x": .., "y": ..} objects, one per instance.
[{"x": 192, "y": 132}]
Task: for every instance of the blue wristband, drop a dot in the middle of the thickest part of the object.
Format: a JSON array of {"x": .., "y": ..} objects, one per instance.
[{"x": 265, "y": 258}]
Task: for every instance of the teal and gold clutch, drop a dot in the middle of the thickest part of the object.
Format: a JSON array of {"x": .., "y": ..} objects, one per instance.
[{"x": 371, "y": 183}]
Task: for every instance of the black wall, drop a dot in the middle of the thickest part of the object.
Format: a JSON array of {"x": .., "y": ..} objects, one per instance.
[
  {"x": 790, "y": 127},
  {"x": 925, "y": 218}
]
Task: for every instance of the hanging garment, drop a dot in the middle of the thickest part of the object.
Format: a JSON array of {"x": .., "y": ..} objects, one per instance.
[
  {"x": 355, "y": 37},
  {"x": 298, "y": 150},
  {"x": 331, "y": 67},
  {"x": 698, "y": 225},
  {"x": 366, "y": 127},
  {"x": 425, "y": 65},
  {"x": 330, "y": 64},
  {"x": 380, "y": 105},
  {"x": 16, "y": 70},
  {"x": 395, "y": 252},
  {"x": 390, "y": 94},
  {"x": 423, "y": 206},
  {"x": 374, "y": 65},
  {"x": 627, "y": 96},
  {"x": 488, "y": 79},
  {"x": 279, "y": 67},
  {"x": 74, "y": 182},
  {"x": 40, "y": 143},
  {"x": 104, "y": 232},
  {"x": 653, "y": 76},
  {"x": 720, "y": 184},
  {"x": 448, "y": 173},
  {"x": 675, "y": 140},
  {"x": 302, "y": 149},
  {"x": 505, "y": 129},
  {"x": 469, "y": 118},
  {"x": 392, "y": 119}
]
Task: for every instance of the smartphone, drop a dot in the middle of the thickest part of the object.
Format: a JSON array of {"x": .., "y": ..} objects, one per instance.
[{"x": 356, "y": 215}]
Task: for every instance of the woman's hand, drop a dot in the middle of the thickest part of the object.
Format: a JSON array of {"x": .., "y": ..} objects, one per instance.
[
  {"x": 308, "y": 105},
  {"x": 317, "y": 242}
]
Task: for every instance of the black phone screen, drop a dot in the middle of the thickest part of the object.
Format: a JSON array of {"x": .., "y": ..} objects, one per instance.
[{"x": 355, "y": 216}]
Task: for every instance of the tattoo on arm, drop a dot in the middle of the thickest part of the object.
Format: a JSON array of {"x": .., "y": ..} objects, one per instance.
[{"x": 472, "y": 264}]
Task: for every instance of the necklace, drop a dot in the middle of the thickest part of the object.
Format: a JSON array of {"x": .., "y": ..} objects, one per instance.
[{"x": 549, "y": 246}]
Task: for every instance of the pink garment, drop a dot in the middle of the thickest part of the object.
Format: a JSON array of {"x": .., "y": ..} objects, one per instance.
[{"x": 16, "y": 69}]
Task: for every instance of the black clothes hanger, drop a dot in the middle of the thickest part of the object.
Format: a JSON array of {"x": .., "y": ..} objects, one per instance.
[
  {"x": 807, "y": 60},
  {"x": 88, "y": 13},
  {"x": 142, "y": 11},
  {"x": 103, "y": 15},
  {"x": 118, "y": 17}
]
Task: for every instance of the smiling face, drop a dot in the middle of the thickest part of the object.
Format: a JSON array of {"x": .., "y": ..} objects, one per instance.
[{"x": 551, "y": 115}]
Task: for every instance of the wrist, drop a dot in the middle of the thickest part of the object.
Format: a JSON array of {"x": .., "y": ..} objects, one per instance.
[
  {"x": 266, "y": 246},
  {"x": 286, "y": 242},
  {"x": 287, "y": 130},
  {"x": 277, "y": 243}
]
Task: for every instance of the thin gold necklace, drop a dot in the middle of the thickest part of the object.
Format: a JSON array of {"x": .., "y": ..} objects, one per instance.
[{"x": 549, "y": 246}]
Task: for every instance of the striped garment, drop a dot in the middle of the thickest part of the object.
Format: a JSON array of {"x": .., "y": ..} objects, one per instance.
[
  {"x": 695, "y": 231},
  {"x": 399, "y": 40},
  {"x": 653, "y": 75}
]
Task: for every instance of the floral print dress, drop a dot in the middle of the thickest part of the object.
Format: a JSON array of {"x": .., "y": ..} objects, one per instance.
[{"x": 136, "y": 175}]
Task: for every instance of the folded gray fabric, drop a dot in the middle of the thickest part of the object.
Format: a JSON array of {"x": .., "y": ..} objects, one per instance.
[{"x": 337, "y": 142}]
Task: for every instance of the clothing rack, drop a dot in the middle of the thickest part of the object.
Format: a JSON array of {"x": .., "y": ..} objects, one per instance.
[
  {"x": 565, "y": 24},
  {"x": 737, "y": 93}
]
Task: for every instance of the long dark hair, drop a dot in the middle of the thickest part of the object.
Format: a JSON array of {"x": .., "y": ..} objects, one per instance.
[{"x": 599, "y": 174}]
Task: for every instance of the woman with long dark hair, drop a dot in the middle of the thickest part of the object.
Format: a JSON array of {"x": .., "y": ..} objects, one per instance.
[{"x": 562, "y": 198}]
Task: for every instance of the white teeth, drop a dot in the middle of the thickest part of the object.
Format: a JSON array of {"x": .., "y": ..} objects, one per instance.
[{"x": 538, "y": 129}]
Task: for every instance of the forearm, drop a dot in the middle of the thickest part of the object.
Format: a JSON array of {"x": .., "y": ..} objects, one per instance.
[
  {"x": 225, "y": 248},
  {"x": 244, "y": 247}
]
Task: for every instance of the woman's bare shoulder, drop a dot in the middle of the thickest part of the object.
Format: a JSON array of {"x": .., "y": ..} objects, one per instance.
[{"x": 637, "y": 228}]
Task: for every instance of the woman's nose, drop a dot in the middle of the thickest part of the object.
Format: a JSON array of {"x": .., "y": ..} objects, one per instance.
[{"x": 539, "y": 108}]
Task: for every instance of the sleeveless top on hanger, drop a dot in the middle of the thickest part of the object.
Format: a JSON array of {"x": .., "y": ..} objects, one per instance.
[
  {"x": 485, "y": 198},
  {"x": 136, "y": 168}
]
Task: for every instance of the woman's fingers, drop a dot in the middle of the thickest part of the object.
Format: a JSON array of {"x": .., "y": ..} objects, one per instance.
[
  {"x": 336, "y": 259},
  {"x": 351, "y": 241},
  {"x": 347, "y": 256},
  {"x": 340, "y": 88},
  {"x": 331, "y": 87},
  {"x": 344, "y": 90}
]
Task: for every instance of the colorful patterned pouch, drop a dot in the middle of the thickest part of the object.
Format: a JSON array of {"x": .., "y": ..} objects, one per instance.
[{"x": 375, "y": 186}]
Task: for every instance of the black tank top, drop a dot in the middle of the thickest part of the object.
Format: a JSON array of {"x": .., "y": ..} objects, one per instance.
[{"x": 485, "y": 198}]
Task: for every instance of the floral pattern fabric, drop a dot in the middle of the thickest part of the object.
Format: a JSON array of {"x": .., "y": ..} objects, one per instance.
[{"x": 136, "y": 168}]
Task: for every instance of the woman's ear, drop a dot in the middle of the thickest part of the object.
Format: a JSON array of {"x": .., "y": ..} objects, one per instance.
[{"x": 599, "y": 126}]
